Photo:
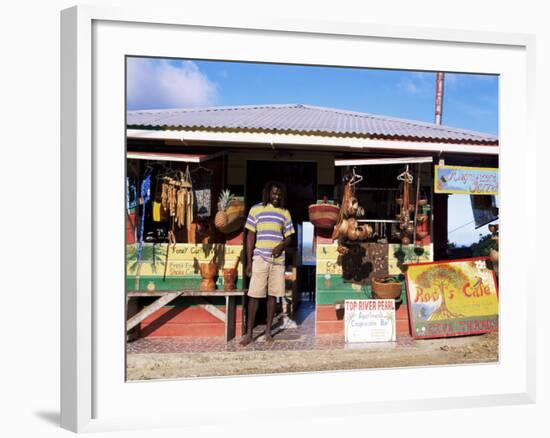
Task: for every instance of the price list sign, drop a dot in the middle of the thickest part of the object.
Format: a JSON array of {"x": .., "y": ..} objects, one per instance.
[{"x": 369, "y": 320}]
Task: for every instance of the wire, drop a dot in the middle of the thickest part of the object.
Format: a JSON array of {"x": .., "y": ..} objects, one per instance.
[{"x": 462, "y": 226}]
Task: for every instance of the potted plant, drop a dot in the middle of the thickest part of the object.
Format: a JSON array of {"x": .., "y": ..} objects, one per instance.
[{"x": 386, "y": 287}]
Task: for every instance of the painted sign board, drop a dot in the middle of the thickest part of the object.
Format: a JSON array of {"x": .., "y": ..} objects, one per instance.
[
  {"x": 174, "y": 267},
  {"x": 466, "y": 180},
  {"x": 180, "y": 259},
  {"x": 369, "y": 320},
  {"x": 452, "y": 298}
]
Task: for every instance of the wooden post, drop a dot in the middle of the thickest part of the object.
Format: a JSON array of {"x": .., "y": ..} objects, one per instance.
[
  {"x": 440, "y": 225},
  {"x": 230, "y": 320}
]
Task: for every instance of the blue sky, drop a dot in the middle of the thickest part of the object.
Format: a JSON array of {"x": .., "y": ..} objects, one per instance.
[{"x": 470, "y": 101}]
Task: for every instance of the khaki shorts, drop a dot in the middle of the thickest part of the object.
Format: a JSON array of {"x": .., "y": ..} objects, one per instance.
[{"x": 267, "y": 278}]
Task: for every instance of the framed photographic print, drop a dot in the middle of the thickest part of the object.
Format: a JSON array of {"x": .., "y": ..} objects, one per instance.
[{"x": 221, "y": 203}]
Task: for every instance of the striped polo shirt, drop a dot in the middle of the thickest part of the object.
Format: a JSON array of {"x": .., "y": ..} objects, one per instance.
[{"x": 271, "y": 225}]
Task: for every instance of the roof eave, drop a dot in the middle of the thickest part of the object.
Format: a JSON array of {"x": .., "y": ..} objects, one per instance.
[{"x": 308, "y": 141}]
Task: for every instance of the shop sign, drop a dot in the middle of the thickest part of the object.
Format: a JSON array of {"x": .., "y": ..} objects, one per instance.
[
  {"x": 181, "y": 259},
  {"x": 466, "y": 180},
  {"x": 452, "y": 298},
  {"x": 369, "y": 320}
]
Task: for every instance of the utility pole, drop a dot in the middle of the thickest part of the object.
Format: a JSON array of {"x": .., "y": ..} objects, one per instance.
[{"x": 440, "y": 77}]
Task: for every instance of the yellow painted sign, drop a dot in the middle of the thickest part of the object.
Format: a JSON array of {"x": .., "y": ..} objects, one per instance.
[
  {"x": 181, "y": 259},
  {"x": 327, "y": 259},
  {"x": 452, "y": 298},
  {"x": 466, "y": 180}
]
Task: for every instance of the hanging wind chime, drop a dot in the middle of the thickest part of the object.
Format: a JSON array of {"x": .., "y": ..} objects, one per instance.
[{"x": 177, "y": 200}]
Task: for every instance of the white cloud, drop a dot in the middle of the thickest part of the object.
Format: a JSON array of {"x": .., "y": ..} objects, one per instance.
[
  {"x": 409, "y": 86},
  {"x": 153, "y": 83},
  {"x": 416, "y": 82}
]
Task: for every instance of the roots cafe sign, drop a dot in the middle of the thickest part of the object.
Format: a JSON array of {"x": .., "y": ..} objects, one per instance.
[
  {"x": 466, "y": 180},
  {"x": 369, "y": 320},
  {"x": 452, "y": 298}
]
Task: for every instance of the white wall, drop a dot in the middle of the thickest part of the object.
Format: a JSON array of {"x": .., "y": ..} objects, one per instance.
[{"x": 29, "y": 106}]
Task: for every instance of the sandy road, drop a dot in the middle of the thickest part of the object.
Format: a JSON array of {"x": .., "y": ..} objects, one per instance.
[{"x": 461, "y": 350}]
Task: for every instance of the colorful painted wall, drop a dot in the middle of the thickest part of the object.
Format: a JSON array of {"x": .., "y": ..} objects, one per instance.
[
  {"x": 342, "y": 277},
  {"x": 174, "y": 267}
]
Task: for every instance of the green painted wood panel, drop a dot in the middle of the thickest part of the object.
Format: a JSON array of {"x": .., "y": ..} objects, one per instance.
[
  {"x": 172, "y": 283},
  {"x": 335, "y": 290}
]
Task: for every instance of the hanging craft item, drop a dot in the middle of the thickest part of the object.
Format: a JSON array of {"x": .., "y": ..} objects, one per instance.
[
  {"x": 159, "y": 213},
  {"x": 131, "y": 204},
  {"x": 184, "y": 202},
  {"x": 204, "y": 202},
  {"x": 406, "y": 208},
  {"x": 177, "y": 199},
  {"x": 145, "y": 196},
  {"x": 131, "y": 195},
  {"x": 323, "y": 215},
  {"x": 202, "y": 183},
  {"x": 420, "y": 232},
  {"x": 347, "y": 226},
  {"x": 231, "y": 213}
]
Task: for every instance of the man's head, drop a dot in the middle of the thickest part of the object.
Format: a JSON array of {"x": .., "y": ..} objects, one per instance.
[{"x": 275, "y": 193}]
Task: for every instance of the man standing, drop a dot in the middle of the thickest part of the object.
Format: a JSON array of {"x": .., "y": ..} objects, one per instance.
[{"x": 270, "y": 229}]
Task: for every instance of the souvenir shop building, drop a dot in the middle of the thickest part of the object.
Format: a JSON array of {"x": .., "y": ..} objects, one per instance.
[{"x": 192, "y": 175}]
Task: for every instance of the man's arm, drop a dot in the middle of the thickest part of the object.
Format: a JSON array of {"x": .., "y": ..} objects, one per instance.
[
  {"x": 250, "y": 240},
  {"x": 278, "y": 250},
  {"x": 288, "y": 231}
]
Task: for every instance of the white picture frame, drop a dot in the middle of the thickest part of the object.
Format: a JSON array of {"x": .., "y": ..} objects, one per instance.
[{"x": 94, "y": 40}]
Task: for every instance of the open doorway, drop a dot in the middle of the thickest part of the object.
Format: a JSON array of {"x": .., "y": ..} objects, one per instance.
[{"x": 300, "y": 179}]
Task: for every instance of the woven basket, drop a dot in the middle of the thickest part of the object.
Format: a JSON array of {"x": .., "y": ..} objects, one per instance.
[
  {"x": 323, "y": 215},
  {"x": 390, "y": 290},
  {"x": 236, "y": 217}
]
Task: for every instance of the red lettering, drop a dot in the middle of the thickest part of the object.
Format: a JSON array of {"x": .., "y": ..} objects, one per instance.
[
  {"x": 477, "y": 290},
  {"x": 385, "y": 304},
  {"x": 424, "y": 297}
]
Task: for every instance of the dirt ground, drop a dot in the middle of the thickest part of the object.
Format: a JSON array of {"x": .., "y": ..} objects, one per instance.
[{"x": 460, "y": 350}]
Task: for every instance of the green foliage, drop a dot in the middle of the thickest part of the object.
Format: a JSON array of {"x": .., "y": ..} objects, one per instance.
[
  {"x": 484, "y": 246},
  {"x": 225, "y": 199},
  {"x": 439, "y": 275},
  {"x": 391, "y": 279},
  {"x": 151, "y": 253}
]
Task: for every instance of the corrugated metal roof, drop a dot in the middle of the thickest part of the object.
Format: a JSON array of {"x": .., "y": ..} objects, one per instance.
[{"x": 302, "y": 119}]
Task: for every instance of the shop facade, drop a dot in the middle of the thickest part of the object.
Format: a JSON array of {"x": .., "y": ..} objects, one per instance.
[{"x": 182, "y": 163}]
